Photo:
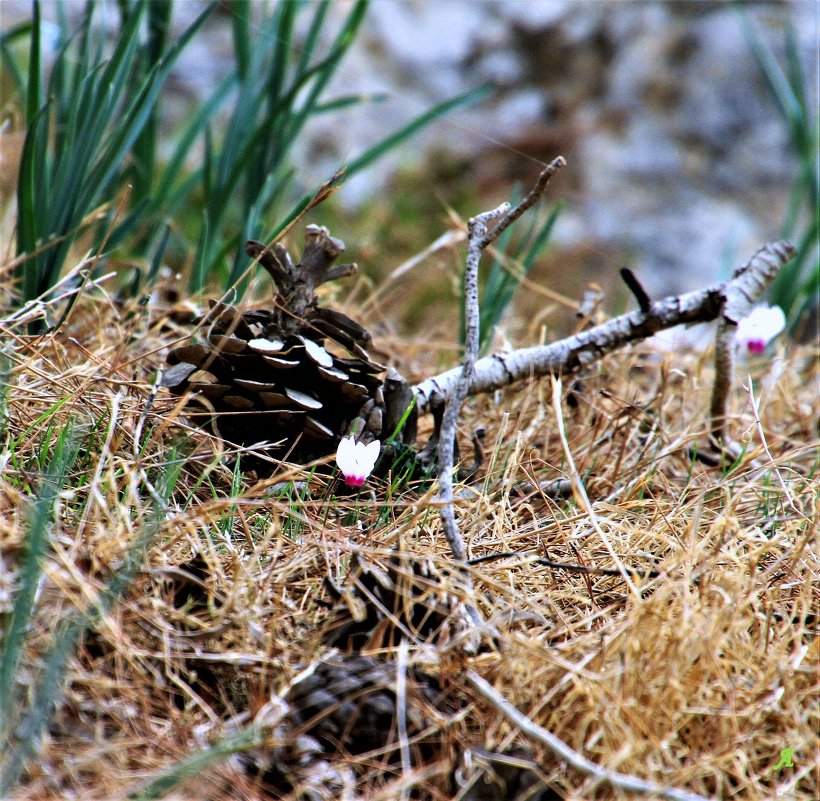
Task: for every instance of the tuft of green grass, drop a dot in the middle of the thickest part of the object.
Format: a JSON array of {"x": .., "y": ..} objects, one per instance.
[
  {"x": 20, "y": 729},
  {"x": 25, "y": 715},
  {"x": 81, "y": 126},
  {"x": 64, "y": 453},
  {"x": 193, "y": 764},
  {"x": 90, "y": 166}
]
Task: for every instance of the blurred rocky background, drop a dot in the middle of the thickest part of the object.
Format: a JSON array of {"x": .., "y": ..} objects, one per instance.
[{"x": 679, "y": 161}]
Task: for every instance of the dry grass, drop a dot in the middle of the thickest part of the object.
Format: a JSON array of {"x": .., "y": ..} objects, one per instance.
[{"x": 697, "y": 678}]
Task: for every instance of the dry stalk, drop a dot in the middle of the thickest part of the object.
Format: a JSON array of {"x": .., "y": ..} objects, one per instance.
[
  {"x": 579, "y": 490},
  {"x": 401, "y": 714},
  {"x": 759, "y": 426}
]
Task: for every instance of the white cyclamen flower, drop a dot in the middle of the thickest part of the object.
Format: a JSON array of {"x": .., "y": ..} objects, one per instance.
[
  {"x": 357, "y": 460},
  {"x": 762, "y": 325}
]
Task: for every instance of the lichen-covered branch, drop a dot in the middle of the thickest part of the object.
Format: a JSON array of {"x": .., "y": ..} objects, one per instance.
[
  {"x": 476, "y": 242},
  {"x": 732, "y": 299}
]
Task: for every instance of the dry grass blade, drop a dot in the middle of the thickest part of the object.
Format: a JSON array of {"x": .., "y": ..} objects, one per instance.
[{"x": 578, "y": 485}]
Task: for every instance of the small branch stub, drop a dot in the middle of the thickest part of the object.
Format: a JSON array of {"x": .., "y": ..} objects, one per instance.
[{"x": 636, "y": 288}]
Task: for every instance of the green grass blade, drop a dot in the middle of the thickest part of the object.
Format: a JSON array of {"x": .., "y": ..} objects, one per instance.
[
  {"x": 250, "y": 230},
  {"x": 240, "y": 22},
  {"x": 541, "y": 238},
  {"x": 327, "y": 69},
  {"x": 36, "y": 545},
  {"x": 159, "y": 254},
  {"x": 91, "y": 44},
  {"x": 36, "y": 717},
  {"x": 208, "y": 163},
  {"x": 312, "y": 37},
  {"x": 161, "y": 785},
  {"x": 774, "y": 75},
  {"x": 199, "y": 273},
  {"x": 116, "y": 71},
  {"x": 34, "y": 99},
  {"x": 282, "y": 24},
  {"x": 5, "y": 389},
  {"x": 501, "y": 283},
  {"x": 159, "y": 28},
  {"x": 22, "y": 746},
  {"x": 346, "y": 101},
  {"x": 794, "y": 72},
  {"x": 34, "y": 160},
  {"x": 132, "y": 122},
  {"x": 199, "y": 122}
]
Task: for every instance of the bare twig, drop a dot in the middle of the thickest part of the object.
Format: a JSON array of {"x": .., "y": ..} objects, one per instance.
[
  {"x": 477, "y": 241},
  {"x": 525, "y": 557},
  {"x": 573, "y": 353},
  {"x": 479, "y": 236},
  {"x": 578, "y": 761},
  {"x": 527, "y": 203}
]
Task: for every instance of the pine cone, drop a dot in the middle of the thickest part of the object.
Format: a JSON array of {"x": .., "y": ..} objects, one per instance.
[
  {"x": 349, "y": 700},
  {"x": 504, "y": 776},
  {"x": 345, "y": 706},
  {"x": 296, "y": 376}
]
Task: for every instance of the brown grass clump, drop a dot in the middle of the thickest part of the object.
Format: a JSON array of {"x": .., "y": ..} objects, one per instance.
[{"x": 698, "y": 677}]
